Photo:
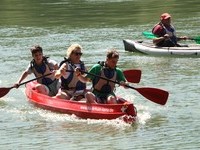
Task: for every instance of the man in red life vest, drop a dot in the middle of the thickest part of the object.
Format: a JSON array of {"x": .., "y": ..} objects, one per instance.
[{"x": 165, "y": 32}]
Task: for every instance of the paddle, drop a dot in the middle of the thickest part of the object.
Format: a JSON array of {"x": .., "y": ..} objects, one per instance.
[
  {"x": 133, "y": 76},
  {"x": 153, "y": 94},
  {"x": 150, "y": 35},
  {"x": 197, "y": 39},
  {"x": 5, "y": 90}
]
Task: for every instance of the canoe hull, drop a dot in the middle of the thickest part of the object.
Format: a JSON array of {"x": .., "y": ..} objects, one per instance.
[
  {"x": 150, "y": 49},
  {"x": 81, "y": 109}
]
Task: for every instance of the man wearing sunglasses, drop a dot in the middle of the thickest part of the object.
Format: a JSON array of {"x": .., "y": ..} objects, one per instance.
[
  {"x": 103, "y": 89},
  {"x": 71, "y": 87}
]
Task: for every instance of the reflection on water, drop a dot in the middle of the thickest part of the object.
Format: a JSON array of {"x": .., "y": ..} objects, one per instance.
[{"x": 91, "y": 13}]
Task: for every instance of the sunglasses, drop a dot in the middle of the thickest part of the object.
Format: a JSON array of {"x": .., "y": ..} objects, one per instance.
[{"x": 77, "y": 53}]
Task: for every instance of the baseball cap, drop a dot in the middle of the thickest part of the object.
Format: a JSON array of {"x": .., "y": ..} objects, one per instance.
[{"x": 165, "y": 16}]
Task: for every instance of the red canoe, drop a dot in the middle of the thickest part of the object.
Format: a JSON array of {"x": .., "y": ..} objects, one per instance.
[{"x": 123, "y": 109}]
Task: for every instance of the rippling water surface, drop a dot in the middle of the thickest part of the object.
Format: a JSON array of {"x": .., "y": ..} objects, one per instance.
[{"x": 97, "y": 26}]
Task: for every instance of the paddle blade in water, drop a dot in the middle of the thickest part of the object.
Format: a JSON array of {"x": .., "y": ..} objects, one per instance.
[
  {"x": 155, "y": 95},
  {"x": 133, "y": 76},
  {"x": 4, "y": 91}
]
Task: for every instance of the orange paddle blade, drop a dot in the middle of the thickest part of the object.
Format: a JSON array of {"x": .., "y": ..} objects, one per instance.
[
  {"x": 155, "y": 95},
  {"x": 133, "y": 76},
  {"x": 4, "y": 91}
]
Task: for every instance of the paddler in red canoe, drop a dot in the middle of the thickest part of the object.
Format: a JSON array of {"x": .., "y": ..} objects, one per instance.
[
  {"x": 40, "y": 66},
  {"x": 99, "y": 75}
]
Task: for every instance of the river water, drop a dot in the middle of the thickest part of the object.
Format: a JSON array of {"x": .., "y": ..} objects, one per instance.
[{"x": 98, "y": 25}]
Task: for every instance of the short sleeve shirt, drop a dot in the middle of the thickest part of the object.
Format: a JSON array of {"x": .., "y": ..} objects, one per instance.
[
  {"x": 97, "y": 68},
  {"x": 51, "y": 64}
]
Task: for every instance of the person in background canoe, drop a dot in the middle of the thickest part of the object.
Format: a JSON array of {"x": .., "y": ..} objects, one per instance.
[
  {"x": 41, "y": 65},
  {"x": 103, "y": 90},
  {"x": 165, "y": 32},
  {"x": 71, "y": 87}
]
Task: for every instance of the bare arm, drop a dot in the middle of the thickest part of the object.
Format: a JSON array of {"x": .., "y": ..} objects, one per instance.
[
  {"x": 22, "y": 77},
  {"x": 83, "y": 78},
  {"x": 159, "y": 39},
  {"x": 56, "y": 67},
  {"x": 182, "y": 38},
  {"x": 80, "y": 76},
  {"x": 61, "y": 71}
]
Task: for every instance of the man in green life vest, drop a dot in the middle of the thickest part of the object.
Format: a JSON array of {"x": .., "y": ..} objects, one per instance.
[{"x": 102, "y": 89}]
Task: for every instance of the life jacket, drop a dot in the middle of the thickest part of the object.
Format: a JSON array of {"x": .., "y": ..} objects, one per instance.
[
  {"x": 105, "y": 86},
  {"x": 72, "y": 82},
  {"x": 43, "y": 69},
  {"x": 170, "y": 31}
]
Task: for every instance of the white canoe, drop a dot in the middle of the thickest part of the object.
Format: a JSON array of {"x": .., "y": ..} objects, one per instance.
[{"x": 150, "y": 49}]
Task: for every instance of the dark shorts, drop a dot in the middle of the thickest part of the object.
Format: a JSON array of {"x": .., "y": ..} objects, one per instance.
[
  {"x": 168, "y": 43},
  {"x": 53, "y": 88},
  {"x": 102, "y": 97}
]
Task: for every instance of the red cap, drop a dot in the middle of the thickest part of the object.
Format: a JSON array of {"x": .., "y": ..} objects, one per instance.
[{"x": 165, "y": 16}]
